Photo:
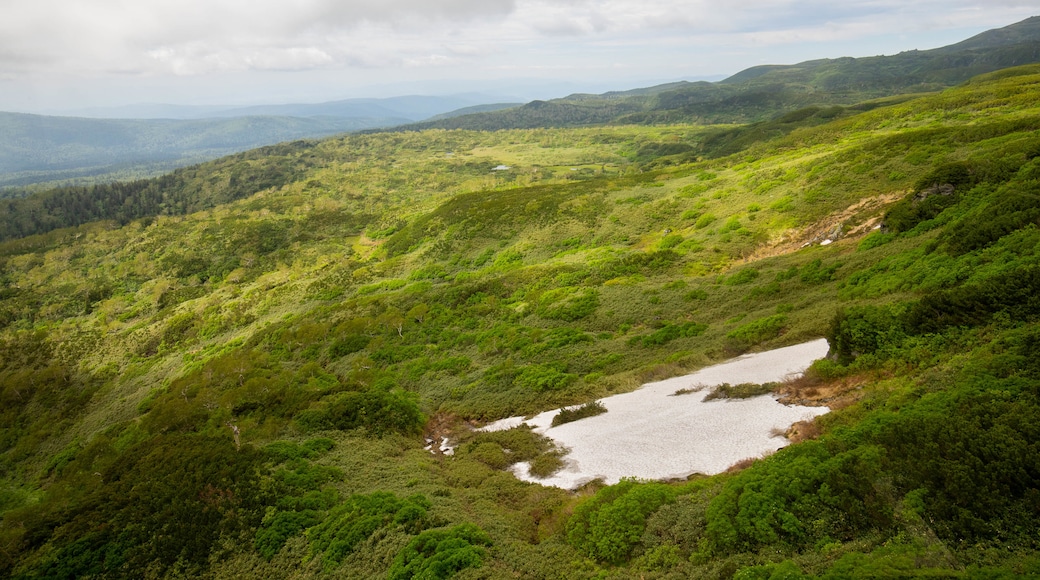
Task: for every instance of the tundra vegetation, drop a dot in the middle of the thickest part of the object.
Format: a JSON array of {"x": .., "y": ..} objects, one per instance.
[{"x": 234, "y": 374}]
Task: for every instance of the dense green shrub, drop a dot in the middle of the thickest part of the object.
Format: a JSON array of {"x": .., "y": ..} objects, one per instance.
[
  {"x": 569, "y": 414},
  {"x": 348, "y": 345},
  {"x": 816, "y": 273},
  {"x": 540, "y": 378},
  {"x": 973, "y": 451},
  {"x": 864, "y": 330},
  {"x": 281, "y": 526},
  {"x": 1016, "y": 294},
  {"x": 164, "y": 502},
  {"x": 805, "y": 494},
  {"x": 1009, "y": 208},
  {"x": 376, "y": 409},
  {"x": 745, "y": 276},
  {"x": 359, "y": 517},
  {"x": 670, "y": 332},
  {"x": 439, "y": 554},
  {"x": 759, "y": 330},
  {"x": 609, "y": 525}
]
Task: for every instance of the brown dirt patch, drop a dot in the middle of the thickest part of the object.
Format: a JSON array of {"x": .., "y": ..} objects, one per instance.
[{"x": 857, "y": 220}]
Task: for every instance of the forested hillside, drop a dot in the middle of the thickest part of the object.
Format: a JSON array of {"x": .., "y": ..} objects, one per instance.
[
  {"x": 39, "y": 149},
  {"x": 240, "y": 377}
]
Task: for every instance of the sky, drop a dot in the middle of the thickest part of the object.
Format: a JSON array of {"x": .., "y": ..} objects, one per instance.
[{"x": 69, "y": 54}]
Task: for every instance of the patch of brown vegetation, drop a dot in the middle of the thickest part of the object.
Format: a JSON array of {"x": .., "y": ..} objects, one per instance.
[
  {"x": 803, "y": 431},
  {"x": 811, "y": 391},
  {"x": 854, "y": 221},
  {"x": 443, "y": 427},
  {"x": 741, "y": 465}
]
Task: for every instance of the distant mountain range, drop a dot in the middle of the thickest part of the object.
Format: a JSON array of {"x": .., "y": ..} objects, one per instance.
[
  {"x": 51, "y": 149},
  {"x": 40, "y": 149},
  {"x": 764, "y": 92},
  {"x": 409, "y": 107}
]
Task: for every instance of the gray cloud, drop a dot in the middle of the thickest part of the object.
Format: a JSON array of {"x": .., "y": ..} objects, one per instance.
[
  {"x": 44, "y": 41},
  {"x": 213, "y": 35}
]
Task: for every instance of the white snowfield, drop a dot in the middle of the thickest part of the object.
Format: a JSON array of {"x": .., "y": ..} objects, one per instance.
[{"x": 651, "y": 433}]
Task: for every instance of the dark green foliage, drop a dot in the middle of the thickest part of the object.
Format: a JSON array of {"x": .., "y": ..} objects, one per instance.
[
  {"x": 816, "y": 273},
  {"x": 281, "y": 451},
  {"x": 161, "y": 503},
  {"x": 807, "y": 494},
  {"x": 377, "y": 410},
  {"x": 540, "y": 378},
  {"x": 670, "y": 332},
  {"x": 696, "y": 294},
  {"x": 608, "y": 526},
  {"x": 277, "y": 529},
  {"x": 943, "y": 187},
  {"x": 178, "y": 193},
  {"x": 745, "y": 276},
  {"x": 570, "y": 414},
  {"x": 439, "y": 554},
  {"x": 348, "y": 345},
  {"x": 359, "y": 517},
  {"x": 1014, "y": 294},
  {"x": 974, "y": 452},
  {"x": 759, "y": 330},
  {"x": 1009, "y": 208},
  {"x": 300, "y": 504},
  {"x": 864, "y": 330}
]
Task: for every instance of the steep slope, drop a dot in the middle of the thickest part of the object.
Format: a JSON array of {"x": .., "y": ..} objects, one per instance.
[{"x": 257, "y": 378}]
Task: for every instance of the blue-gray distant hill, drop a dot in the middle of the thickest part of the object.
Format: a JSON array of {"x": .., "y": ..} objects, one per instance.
[
  {"x": 38, "y": 149},
  {"x": 135, "y": 141}
]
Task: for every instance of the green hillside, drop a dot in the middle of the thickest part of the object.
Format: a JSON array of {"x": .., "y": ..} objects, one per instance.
[
  {"x": 243, "y": 383},
  {"x": 763, "y": 92}
]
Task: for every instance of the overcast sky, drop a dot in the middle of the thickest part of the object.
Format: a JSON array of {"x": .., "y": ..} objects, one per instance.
[{"x": 74, "y": 53}]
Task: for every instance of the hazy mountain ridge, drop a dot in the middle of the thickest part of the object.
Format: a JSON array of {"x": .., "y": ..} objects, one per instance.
[
  {"x": 51, "y": 151},
  {"x": 762, "y": 92},
  {"x": 38, "y": 148}
]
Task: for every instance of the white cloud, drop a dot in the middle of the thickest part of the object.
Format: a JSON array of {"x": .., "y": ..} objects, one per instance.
[{"x": 391, "y": 40}]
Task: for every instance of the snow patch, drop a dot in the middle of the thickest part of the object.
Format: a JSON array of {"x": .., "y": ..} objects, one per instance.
[{"x": 651, "y": 433}]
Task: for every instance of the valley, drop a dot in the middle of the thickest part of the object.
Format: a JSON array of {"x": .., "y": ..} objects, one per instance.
[{"x": 233, "y": 370}]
